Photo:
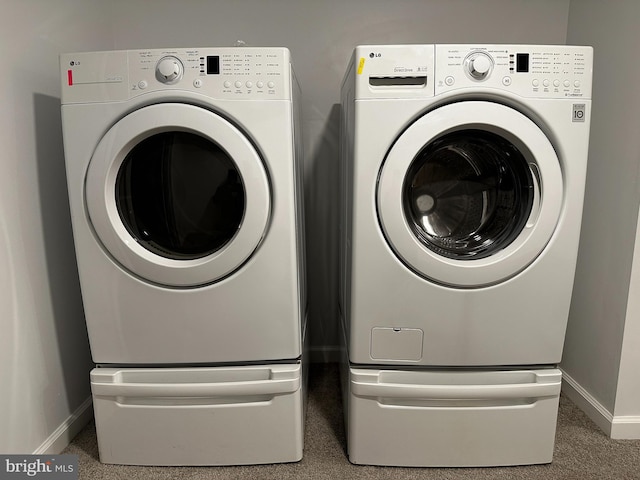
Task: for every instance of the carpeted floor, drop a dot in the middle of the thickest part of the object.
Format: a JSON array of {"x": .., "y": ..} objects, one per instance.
[{"x": 582, "y": 451}]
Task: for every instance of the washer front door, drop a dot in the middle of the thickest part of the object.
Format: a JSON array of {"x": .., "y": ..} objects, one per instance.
[
  {"x": 177, "y": 195},
  {"x": 470, "y": 194}
]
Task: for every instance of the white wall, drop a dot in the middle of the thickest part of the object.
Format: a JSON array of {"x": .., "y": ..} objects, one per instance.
[
  {"x": 44, "y": 355},
  {"x": 601, "y": 350}
]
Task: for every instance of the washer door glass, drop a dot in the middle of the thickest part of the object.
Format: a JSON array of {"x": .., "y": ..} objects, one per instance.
[
  {"x": 177, "y": 195},
  {"x": 180, "y": 195},
  {"x": 468, "y": 194}
]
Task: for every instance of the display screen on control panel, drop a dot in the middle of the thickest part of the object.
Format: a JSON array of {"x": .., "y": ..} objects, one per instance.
[
  {"x": 522, "y": 62},
  {"x": 213, "y": 65}
]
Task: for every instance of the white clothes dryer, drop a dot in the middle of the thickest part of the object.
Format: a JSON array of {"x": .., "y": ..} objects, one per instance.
[
  {"x": 185, "y": 190},
  {"x": 464, "y": 174}
]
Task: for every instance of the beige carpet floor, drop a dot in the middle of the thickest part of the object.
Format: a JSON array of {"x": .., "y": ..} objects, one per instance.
[{"x": 582, "y": 451}]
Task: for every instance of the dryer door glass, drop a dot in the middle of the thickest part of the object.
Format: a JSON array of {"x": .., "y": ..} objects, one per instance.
[
  {"x": 180, "y": 195},
  {"x": 468, "y": 194}
]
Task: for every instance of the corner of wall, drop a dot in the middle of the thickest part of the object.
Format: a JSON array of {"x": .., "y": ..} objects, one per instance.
[
  {"x": 62, "y": 436},
  {"x": 618, "y": 427},
  {"x": 597, "y": 412}
]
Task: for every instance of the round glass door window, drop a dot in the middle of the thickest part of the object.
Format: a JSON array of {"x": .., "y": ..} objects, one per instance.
[
  {"x": 177, "y": 195},
  {"x": 468, "y": 194},
  {"x": 180, "y": 195}
]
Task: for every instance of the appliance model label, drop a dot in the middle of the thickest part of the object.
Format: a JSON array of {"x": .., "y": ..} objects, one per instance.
[{"x": 579, "y": 112}]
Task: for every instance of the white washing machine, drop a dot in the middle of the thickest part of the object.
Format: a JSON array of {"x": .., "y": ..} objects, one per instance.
[
  {"x": 464, "y": 172},
  {"x": 185, "y": 187}
]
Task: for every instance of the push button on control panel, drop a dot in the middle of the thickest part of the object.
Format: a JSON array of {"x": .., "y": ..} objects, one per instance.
[{"x": 248, "y": 86}]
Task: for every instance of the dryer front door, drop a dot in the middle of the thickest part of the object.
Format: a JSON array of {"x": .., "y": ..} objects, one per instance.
[
  {"x": 177, "y": 195},
  {"x": 470, "y": 194}
]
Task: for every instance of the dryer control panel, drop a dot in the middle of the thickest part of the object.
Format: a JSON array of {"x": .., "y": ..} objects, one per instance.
[
  {"x": 234, "y": 73},
  {"x": 550, "y": 71}
]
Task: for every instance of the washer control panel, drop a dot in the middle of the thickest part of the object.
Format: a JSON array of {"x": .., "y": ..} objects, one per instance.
[
  {"x": 550, "y": 71},
  {"x": 238, "y": 73},
  {"x": 418, "y": 71}
]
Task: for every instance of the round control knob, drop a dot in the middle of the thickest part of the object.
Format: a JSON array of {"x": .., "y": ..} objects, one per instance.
[
  {"x": 478, "y": 65},
  {"x": 169, "y": 70}
]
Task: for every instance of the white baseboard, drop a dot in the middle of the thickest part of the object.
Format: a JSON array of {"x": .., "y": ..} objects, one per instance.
[
  {"x": 63, "y": 435},
  {"x": 587, "y": 403},
  {"x": 617, "y": 427}
]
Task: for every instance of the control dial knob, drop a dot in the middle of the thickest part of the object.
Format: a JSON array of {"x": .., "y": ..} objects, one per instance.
[
  {"x": 169, "y": 70},
  {"x": 478, "y": 65}
]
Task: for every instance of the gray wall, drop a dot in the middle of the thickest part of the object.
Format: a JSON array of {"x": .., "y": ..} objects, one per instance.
[
  {"x": 600, "y": 312},
  {"x": 44, "y": 357},
  {"x": 44, "y": 354},
  {"x": 321, "y": 36}
]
